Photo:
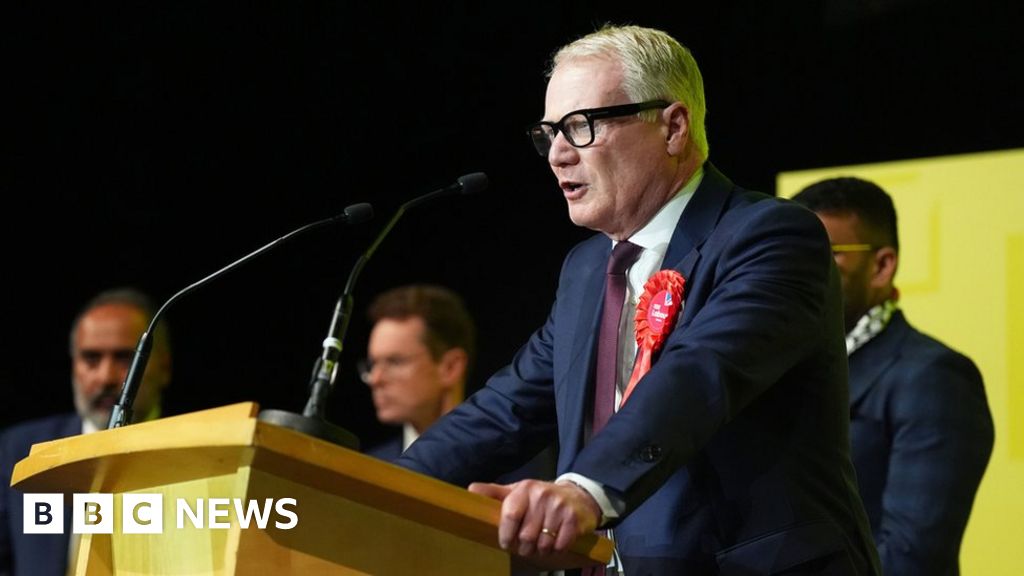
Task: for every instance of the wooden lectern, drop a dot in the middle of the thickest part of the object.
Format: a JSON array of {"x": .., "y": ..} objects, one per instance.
[{"x": 356, "y": 514}]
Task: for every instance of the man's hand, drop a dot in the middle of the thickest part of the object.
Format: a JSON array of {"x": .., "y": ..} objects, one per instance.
[{"x": 541, "y": 517}]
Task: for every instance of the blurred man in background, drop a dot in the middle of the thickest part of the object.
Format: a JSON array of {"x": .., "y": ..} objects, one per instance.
[
  {"x": 421, "y": 349},
  {"x": 104, "y": 335},
  {"x": 920, "y": 426}
]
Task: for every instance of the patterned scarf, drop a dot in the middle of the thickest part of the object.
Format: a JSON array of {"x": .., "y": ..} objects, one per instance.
[{"x": 870, "y": 325}]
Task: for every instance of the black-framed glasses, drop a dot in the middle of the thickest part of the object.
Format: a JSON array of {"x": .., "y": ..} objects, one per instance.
[
  {"x": 578, "y": 125},
  {"x": 389, "y": 364}
]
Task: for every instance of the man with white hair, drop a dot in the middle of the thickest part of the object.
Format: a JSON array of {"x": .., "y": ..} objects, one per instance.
[{"x": 693, "y": 365}]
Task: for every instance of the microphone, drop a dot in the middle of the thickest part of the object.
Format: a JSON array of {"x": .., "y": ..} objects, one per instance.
[
  {"x": 313, "y": 419},
  {"x": 466, "y": 184},
  {"x": 121, "y": 413}
]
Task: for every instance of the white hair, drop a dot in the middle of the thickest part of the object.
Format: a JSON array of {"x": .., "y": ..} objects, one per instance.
[{"x": 655, "y": 66}]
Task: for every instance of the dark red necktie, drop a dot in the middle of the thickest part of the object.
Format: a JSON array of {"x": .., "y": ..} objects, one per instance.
[{"x": 606, "y": 373}]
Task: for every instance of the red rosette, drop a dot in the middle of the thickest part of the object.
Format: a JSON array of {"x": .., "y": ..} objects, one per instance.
[{"x": 656, "y": 315}]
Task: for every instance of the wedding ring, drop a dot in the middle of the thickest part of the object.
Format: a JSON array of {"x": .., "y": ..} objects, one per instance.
[{"x": 551, "y": 533}]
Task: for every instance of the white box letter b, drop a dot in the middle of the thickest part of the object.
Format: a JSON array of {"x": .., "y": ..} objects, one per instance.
[{"x": 43, "y": 514}]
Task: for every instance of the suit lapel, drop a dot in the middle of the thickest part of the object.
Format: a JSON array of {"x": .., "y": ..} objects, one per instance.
[
  {"x": 589, "y": 307},
  {"x": 574, "y": 393},
  {"x": 72, "y": 426},
  {"x": 698, "y": 221},
  {"x": 868, "y": 363}
]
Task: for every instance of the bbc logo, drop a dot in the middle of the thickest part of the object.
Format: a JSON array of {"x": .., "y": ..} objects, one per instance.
[
  {"x": 144, "y": 513},
  {"x": 93, "y": 514}
]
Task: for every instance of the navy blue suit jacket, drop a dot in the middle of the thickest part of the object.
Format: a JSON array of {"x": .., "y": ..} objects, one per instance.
[
  {"x": 541, "y": 467},
  {"x": 922, "y": 435},
  {"x": 30, "y": 554},
  {"x": 732, "y": 454}
]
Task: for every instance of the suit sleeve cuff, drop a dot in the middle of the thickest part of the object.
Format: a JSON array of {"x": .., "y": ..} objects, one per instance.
[{"x": 611, "y": 505}]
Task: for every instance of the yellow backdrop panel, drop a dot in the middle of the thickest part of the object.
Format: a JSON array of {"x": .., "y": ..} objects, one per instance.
[{"x": 961, "y": 279}]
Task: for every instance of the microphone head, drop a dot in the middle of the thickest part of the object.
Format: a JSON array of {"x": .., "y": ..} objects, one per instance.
[
  {"x": 472, "y": 183},
  {"x": 358, "y": 213}
]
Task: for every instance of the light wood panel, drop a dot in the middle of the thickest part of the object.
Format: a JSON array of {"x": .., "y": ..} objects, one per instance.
[{"x": 356, "y": 514}]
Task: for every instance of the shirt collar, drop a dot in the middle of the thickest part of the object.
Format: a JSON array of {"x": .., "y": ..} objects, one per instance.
[
  {"x": 88, "y": 427},
  {"x": 657, "y": 233},
  {"x": 409, "y": 436}
]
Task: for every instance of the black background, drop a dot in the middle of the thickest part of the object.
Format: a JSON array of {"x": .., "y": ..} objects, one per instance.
[{"x": 150, "y": 144}]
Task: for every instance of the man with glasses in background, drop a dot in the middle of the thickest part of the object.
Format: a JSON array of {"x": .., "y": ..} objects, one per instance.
[
  {"x": 724, "y": 448},
  {"x": 419, "y": 356},
  {"x": 919, "y": 421}
]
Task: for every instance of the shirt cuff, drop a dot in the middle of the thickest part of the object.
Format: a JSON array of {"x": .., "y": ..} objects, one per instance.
[{"x": 611, "y": 505}]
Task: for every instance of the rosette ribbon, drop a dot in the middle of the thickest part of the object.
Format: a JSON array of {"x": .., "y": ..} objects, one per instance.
[{"x": 656, "y": 315}]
